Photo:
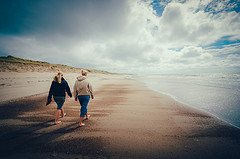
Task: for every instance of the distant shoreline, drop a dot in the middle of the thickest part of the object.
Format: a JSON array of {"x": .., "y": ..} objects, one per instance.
[{"x": 216, "y": 94}]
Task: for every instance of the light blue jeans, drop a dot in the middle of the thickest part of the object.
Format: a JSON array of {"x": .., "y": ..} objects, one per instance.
[{"x": 83, "y": 99}]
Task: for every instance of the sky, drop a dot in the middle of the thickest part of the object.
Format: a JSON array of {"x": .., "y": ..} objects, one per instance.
[{"x": 125, "y": 36}]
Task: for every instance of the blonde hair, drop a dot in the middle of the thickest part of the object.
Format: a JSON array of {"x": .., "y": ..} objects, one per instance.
[
  {"x": 58, "y": 77},
  {"x": 84, "y": 72}
]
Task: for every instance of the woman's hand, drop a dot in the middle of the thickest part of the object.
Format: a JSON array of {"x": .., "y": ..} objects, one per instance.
[{"x": 75, "y": 99}]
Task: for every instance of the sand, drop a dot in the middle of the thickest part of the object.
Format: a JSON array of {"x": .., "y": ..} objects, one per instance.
[
  {"x": 127, "y": 121},
  {"x": 15, "y": 85}
]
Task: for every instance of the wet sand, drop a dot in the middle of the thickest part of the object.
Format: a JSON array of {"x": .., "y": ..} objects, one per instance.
[{"x": 127, "y": 121}]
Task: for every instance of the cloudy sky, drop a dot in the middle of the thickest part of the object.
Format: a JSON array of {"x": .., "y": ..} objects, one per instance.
[{"x": 125, "y": 36}]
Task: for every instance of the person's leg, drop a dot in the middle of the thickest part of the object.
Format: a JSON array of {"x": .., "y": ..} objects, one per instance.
[
  {"x": 62, "y": 113},
  {"x": 83, "y": 112},
  {"x": 81, "y": 122},
  {"x": 60, "y": 101},
  {"x": 83, "y": 102},
  {"x": 87, "y": 116},
  {"x": 57, "y": 116}
]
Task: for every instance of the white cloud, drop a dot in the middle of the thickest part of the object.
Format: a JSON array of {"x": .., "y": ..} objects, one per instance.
[
  {"x": 234, "y": 57},
  {"x": 127, "y": 36}
]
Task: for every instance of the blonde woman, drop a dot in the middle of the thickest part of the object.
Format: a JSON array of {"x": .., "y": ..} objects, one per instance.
[
  {"x": 82, "y": 92},
  {"x": 58, "y": 90}
]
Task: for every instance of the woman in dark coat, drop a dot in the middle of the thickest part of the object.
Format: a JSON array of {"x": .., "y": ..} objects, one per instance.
[{"x": 58, "y": 90}]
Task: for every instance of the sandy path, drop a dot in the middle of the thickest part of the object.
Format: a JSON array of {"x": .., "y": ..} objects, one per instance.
[{"x": 127, "y": 121}]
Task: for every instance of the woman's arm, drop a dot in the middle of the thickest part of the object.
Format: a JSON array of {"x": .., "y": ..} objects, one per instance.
[
  {"x": 50, "y": 93},
  {"x": 67, "y": 88},
  {"x": 90, "y": 90},
  {"x": 75, "y": 93}
]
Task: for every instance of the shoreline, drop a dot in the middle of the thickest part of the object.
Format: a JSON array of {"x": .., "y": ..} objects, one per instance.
[
  {"x": 206, "y": 98},
  {"x": 128, "y": 120},
  {"x": 190, "y": 106}
]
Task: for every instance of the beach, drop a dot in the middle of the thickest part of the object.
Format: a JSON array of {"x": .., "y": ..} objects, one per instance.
[
  {"x": 215, "y": 93},
  {"x": 128, "y": 120}
]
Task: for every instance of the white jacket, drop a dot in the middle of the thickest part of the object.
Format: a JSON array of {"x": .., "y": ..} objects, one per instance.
[{"x": 82, "y": 87}]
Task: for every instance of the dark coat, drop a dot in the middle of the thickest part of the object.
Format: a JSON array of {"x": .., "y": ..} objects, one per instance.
[{"x": 58, "y": 89}]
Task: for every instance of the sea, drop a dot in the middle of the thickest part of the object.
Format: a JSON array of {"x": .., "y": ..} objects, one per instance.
[{"x": 217, "y": 94}]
